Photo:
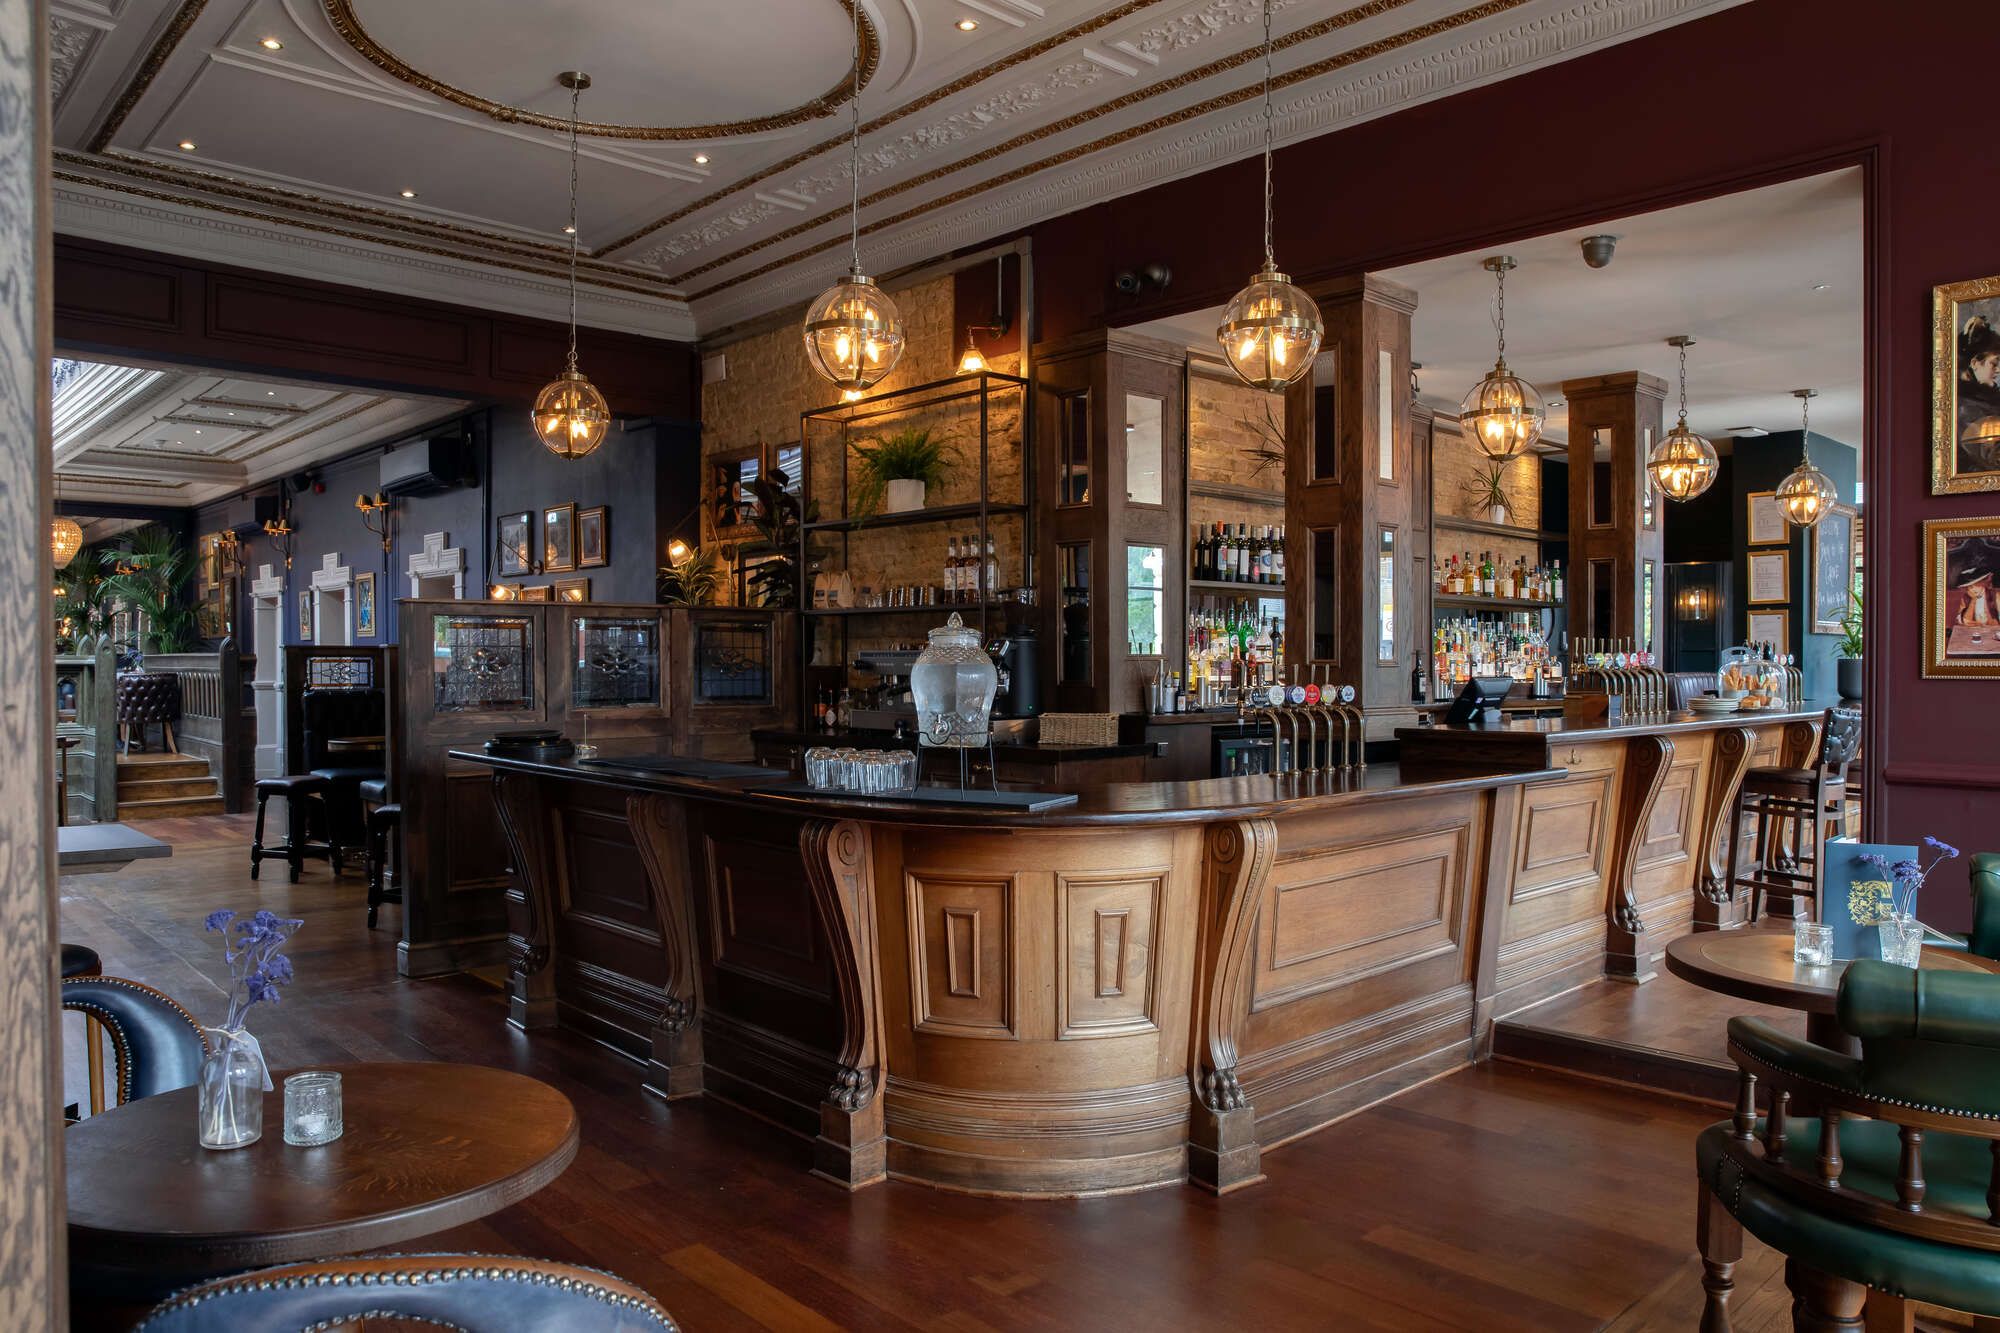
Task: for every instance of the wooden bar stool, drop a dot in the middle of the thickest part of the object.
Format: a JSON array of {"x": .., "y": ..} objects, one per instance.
[
  {"x": 385, "y": 822},
  {"x": 1808, "y": 804},
  {"x": 303, "y": 794}
]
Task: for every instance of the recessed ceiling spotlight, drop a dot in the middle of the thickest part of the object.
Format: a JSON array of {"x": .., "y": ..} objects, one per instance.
[
  {"x": 187, "y": 145},
  {"x": 409, "y": 194},
  {"x": 701, "y": 159},
  {"x": 272, "y": 44},
  {"x": 1747, "y": 432},
  {"x": 569, "y": 231},
  {"x": 1821, "y": 286},
  {"x": 967, "y": 25},
  {"x": 270, "y": 393}
]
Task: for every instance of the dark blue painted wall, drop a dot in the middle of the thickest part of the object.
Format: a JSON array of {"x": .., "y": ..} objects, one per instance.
[{"x": 1759, "y": 465}]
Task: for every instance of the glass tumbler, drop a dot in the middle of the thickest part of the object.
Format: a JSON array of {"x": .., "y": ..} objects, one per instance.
[
  {"x": 819, "y": 766},
  {"x": 1812, "y": 943},
  {"x": 312, "y": 1109}
]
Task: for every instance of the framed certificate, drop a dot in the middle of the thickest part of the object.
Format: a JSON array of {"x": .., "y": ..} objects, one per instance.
[
  {"x": 1771, "y": 577},
  {"x": 1767, "y": 521},
  {"x": 1771, "y": 627}
]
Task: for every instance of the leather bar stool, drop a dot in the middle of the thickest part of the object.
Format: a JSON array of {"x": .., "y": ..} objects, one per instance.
[
  {"x": 304, "y": 795},
  {"x": 385, "y": 822},
  {"x": 145, "y": 697},
  {"x": 1807, "y": 804}
]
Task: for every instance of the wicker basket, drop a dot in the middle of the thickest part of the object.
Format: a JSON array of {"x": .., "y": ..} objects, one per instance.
[{"x": 1079, "y": 729}]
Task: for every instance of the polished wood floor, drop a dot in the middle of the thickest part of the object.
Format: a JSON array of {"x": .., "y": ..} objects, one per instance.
[{"x": 1500, "y": 1198}]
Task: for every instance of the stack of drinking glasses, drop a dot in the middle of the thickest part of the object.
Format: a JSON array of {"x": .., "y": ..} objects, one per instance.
[{"x": 848, "y": 769}]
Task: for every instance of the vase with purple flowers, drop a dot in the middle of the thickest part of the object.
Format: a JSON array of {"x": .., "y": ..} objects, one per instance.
[
  {"x": 234, "y": 1078},
  {"x": 1899, "y": 933}
]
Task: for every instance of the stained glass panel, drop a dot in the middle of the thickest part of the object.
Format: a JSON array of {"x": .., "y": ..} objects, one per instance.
[
  {"x": 617, "y": 662},
  {"x": 483, "y": 664},
  {"x": 732, "y": 661}
]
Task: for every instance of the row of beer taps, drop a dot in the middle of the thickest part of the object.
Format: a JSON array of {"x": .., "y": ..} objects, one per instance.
[
  {"x": 1299, "y": 708},
  {"x": 1617, "y": 667}
]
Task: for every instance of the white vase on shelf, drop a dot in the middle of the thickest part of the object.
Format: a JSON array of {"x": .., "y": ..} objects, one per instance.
[
  {"x": 1496, "y": 514},
  {"x": 902, "y": 495}
]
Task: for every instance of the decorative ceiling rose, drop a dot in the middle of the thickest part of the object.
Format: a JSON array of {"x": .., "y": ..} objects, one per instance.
[
  {"x": 853, "y": 332},
  {"x": 1682, "y": 465},
  {"x": 1502, "y": 412},
  {"x": 570, "y": 415},
  {"x": 341, "y": 14},
  {"x": 1807, "y": 493},
  {"x": 1271, "y": 330}
]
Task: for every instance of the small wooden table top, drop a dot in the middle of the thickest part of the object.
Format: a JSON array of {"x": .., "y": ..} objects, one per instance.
[
  {"x": 88, "y": 849},
  {"x": 1756, "y": 964},
  {"x": 427, "y": 1146}
]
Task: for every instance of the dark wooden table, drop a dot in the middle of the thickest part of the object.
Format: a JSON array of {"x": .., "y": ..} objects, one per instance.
[
  {"x": 426, "y": 1147},
  {"x": 1757, "y": 965}
]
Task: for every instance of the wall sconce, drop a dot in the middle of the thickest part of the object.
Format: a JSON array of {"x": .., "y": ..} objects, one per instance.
[
  {"x": 1696, "y": 604},
  {"x": 228, "y": 553},
  {"x": 677, "y": 551},
  {"x": 282, "y": 534},
  {"x": 501, "y": 592},
  {"x": 375, "y": 515},
  {"x": 974, "y": 361}
]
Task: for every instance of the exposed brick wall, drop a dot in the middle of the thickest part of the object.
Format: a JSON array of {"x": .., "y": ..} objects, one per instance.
[
  {"x": 1228, "y": 430},
  {"x": 1458, "y": 466}
]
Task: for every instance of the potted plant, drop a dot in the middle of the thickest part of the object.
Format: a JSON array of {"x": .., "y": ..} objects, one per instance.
[
  {"x": 152, "y": 578},
  {"x": 1847, "y": 662},
  {"x": 777, "y": 520},
  {"x": 691, "y": 579},
  {"x": 893, "y": 471},
  {"x": 1490, "y": 495}
]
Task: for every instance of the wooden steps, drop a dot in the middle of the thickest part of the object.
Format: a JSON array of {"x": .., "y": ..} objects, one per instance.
[{"x": 165, "y": 786}]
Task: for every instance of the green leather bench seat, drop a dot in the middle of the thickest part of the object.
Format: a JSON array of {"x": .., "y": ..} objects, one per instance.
[{"x": 1956, "y": 1167}]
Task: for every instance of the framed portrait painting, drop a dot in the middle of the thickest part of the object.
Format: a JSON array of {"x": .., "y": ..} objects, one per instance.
[
  {"x": 559, "y": 538},
  {"x": 1961, "y": 606},
  {"x": 1832, "y": 568},
  {"x": 541, "y": 592},
  {"x": 515, "y": 542},
  {"x": 572, "y": 590},
  {"x": 593, "y": 537},
  {"x": 1965, "y": 387},
  {"x": 364, "y": 606},
  {"x": 305, "y": 615}
]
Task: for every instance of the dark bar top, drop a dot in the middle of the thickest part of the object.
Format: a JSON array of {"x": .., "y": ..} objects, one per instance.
[
  {"x": 867, "y": 738},
  {"x": 1108, "y": 804},
  {"x": 1635, "y": 726}
]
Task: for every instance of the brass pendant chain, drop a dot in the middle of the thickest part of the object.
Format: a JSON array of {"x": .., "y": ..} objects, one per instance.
[
  {"x": 1269, "y": 261},
  {"x": 575, "y": 94}
]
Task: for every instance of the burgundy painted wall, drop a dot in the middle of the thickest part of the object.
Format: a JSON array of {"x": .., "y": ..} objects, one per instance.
[{"x": 1767, "y": 90}]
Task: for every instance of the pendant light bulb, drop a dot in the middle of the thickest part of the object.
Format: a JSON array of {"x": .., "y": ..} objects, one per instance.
[
  {"x": 853, "y": 332},
  {"x": 1683, "y": 464},
  {"x": 1271, "y": 330},
  {"x": 1806, "y": 493},
  {"x": 570, "y": 415},
  {"x": 65, "y": 536},
  {"x": 1502, "y": 413}
]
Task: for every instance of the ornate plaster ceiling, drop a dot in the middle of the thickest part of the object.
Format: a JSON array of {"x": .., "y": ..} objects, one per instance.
[
  {"x": 176, "y": 437},
  {"x": 302, "y": 153}
]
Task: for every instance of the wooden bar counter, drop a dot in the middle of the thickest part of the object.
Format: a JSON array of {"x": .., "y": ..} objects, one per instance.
[{"x": 1141, "y": 988}]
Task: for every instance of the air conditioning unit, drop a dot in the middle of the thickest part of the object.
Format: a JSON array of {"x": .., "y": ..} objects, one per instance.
[{"x": 424, "y": 468}]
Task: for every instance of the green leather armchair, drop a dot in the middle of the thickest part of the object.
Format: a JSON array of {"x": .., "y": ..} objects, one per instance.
[
  {"x": 1985, "y": 937},
  {"x": 1905, "y": 1202}
]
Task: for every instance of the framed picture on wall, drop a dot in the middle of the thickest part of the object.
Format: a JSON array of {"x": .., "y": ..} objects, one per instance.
[
  {"x": 1832, "y": 568},
  {"x": 1961, "y": 604},
  {"x": 305, "y": 615},
  {"x": 1965, "y": 387},
  {"x": 1770, "y": 577},
  {"x": 572, "y": 590},
  {"x": 505, "y": 592},
  {"x": 726, "y": 490},
  {"x": 541, "y": 592},
  {"x": 593, "y": 537},
  {"x": 364, "y": 606},
  {"x": 559, "y": 538},
  {"x": 1767, "y": 521},
  {"x": 1772, "y": 627},
  {"x": 515, "y": 543}
]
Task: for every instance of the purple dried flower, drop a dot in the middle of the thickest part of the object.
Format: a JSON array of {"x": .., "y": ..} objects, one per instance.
[
  {"x": 1907, "y": 870},
  {"x": 217, "y": 919},
  {"x": 1876, "y": 859},
  {"x": 1944, "y": 848},
  {"x": 256, "y": 969},
  {"x": 278, "y": 968}
]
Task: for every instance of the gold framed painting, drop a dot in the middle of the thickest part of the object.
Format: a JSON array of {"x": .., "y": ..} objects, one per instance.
[
  {"x": 364, "y": 606},
  {"x": 1766, "y": 520},
  {"x": 1771, "y": 627},
  {"x": 593, "y": 537},
  {"x": 1965, "y": 387},
  {"x": 1771, "y": 577},
  {"x": 559, "y": 538},
  {"x": 1961, "y": 599},
  {"x": 540, "y": 592},
  {"x": 572, "y": 590}
]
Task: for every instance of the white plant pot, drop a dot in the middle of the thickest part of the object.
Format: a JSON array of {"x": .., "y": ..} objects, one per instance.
[
  {"x": 902, "y": 495},
  {"x": 1496, "y": 513}
]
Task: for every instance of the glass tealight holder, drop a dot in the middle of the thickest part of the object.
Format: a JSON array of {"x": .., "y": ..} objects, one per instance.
[
  {"x": 312, "y": 1109},
  {"x": 1812, "y": 943}
]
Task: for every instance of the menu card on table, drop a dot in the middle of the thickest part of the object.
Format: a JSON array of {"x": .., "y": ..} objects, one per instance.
[{"x": 1854, "y": 896}]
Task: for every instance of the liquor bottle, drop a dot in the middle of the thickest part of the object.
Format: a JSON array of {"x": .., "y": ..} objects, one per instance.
[
  {"x": 992, "y": 572},
  {"x": 1416, "y": 677},
  {"x": 951, "y": 570},
  {"x": 1268, "y": 566},
  {"x": 1556, "y": 586},
  {"x": 1489, "y": 586},
  {"x": 1242, "y": 553},
  {"x": 968, "y": 570},
  {"x": 1506, "y": 588},
  {"x": 1225, "y": 555},
  {"x": 1278, "y": 558}
]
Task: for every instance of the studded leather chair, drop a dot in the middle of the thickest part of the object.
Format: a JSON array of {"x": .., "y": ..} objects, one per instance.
[
  {"x": 1894, "y": 1186},
  {"x": 157, "y": 1044},
  {"x": 145, "y": 697},
  {"x": 477, "y": 1293}
]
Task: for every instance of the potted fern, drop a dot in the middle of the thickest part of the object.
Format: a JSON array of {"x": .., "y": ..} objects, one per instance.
[
  {"x": 1847, "y": 659},
  {"x": 893, "y": 471}
]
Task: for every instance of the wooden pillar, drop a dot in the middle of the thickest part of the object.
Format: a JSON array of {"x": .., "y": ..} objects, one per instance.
[
  {"x": 1615, "y": 547},
  {"x": 35, "y": 1294},
  {"x": 1357, "y": 504}
]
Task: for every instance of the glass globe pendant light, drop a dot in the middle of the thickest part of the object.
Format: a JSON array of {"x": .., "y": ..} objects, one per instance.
[
  {"x": 1502, "y": 413},
  {"x": 1271, "y": 330},
  {"x": 1807, "y": 493},
  {"x": 853, "y": 332},
  {"x": 65, "y": 537},
  {"x": 570, "y": 415},
  {"x": 1682, "y": 465}
]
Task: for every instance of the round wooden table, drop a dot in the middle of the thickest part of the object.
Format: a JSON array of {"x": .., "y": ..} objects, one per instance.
[
  {"x": 1757, "y": 965},
  {"x": 426, "y": 1147}
]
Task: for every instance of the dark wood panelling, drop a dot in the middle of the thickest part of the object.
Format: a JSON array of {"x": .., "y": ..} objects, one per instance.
[
  {"x": 321, "y": 323},
  {"x": 760, "y": 917}
]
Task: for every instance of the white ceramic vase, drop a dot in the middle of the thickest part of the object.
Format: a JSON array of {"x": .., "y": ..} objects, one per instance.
[{"x": 902, "y": 495}]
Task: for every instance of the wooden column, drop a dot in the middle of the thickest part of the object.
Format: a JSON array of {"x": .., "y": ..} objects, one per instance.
[
  {"x": 1614, "y": 516},
  {"x": 1354, "y": 484}
]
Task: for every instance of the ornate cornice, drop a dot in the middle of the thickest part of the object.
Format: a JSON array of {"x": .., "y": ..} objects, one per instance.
[
  {"x": 149, "y": 69},
  {"x": 340, "y": 13}
]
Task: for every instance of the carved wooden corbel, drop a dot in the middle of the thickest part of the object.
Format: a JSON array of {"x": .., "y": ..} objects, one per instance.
[
  {"x": 1729, "y": 760},
  {"x": 531, "y": 984},
  {"x": 851, "y": 1148},
  {"x": 659, "y": 827},
  {"x": 1647, "y": 759},
  {"x": 1222, "y": 1137}
]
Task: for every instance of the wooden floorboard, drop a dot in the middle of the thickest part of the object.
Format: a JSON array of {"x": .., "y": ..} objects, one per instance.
[{"x": 1500, "y": 1198}]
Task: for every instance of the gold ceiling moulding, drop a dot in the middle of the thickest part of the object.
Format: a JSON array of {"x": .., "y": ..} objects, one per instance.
[
  {"x": 1200, "y": 73},
  {"x": 890, "y": 117},
  {"x": 149, "y": 68},
  {"x": 341, "y": 14},
  {"x": 1221, "y": 101}
]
